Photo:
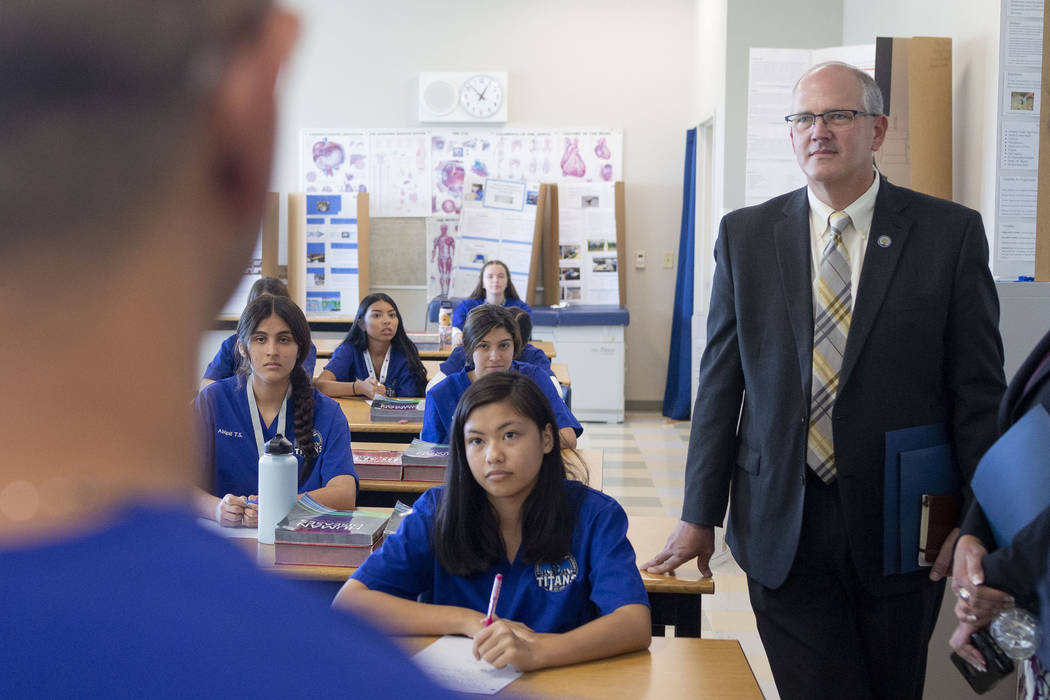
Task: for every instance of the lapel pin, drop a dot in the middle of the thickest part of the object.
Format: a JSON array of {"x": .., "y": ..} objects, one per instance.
[{"x": 885, "y": 241}]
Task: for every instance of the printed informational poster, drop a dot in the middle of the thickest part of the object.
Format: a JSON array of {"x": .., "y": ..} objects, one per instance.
[
  {"x": 498, "y": 226},
  {"x": 587, "y": 262},
  {"x": 1020, "y": 60},
  {"x": 331, "y": 254},
  {"x": 333, "y": 161},
  {"x": 239, "y": 299},
  {"x": 771, "y": 168},
  {"x": 442, "y": 232},
  {"x": 400, "y": 173}
]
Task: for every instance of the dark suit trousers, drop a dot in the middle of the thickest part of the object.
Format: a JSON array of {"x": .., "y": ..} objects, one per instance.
[{"x": 824, "y": 634}]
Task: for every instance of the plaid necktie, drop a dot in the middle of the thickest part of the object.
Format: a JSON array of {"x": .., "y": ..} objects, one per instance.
[{"x": 831, "y": 311}]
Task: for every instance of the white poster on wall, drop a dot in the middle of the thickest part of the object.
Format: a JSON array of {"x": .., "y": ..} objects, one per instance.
[
  {"x": 587, "y": 262},
  {"x": 332, "y": 263},
  {"x": 334, "y": 160}
]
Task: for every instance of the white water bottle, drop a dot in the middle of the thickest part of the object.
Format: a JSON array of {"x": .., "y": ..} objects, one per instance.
[{"x": 278, "y": 485}]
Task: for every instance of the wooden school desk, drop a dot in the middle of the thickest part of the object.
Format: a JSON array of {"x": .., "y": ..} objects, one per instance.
[
  {"x": 326, "y": 346},
  {"x": 593, "y": 458},
  {"x": 674, "y": 599},
  {"x": 670, "y": 668}
]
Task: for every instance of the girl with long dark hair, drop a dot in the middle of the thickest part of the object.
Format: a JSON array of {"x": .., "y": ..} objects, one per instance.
[
  {"x": 571, "y": 589},
  {"x": 376, "y": 357},
  {"x": 494, "y": 287},
  {"x": 273, "y": 394}
]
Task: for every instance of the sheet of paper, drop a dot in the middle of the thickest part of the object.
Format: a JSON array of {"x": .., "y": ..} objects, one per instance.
[
  {"x": 238, "y": 532},
  {"x": 334, "y": 160},
  {"x": 400, "y": 173},
  {"x": 587, "y": 263},
  {"x": 450, "y": 662},
  {"x": 332, "y": 274}
]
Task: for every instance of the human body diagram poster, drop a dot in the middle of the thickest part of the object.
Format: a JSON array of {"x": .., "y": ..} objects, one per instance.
[
  {"x": 420, "y": 172},
  {"x": 497, "y": 222},
  {"x": 332, "y": 267},
  {"x": 587, "y": 255}
]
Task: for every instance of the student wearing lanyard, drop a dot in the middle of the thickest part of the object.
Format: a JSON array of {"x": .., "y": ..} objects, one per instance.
[
  {"x": 494, "y": 287},
  {"x": 492, "y": 342},
  {"x": 238, "y": 416},
  {"x": 570, "y": 589},
  {"x": 377, "y": 339}
]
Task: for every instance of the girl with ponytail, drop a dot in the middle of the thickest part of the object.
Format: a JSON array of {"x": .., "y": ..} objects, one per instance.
[{"x": 270, "y": 394}]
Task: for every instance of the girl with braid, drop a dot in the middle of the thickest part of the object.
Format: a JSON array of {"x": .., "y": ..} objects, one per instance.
[{"x": 270, "y": 394}]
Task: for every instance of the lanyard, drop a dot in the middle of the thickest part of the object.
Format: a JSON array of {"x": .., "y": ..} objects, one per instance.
[
  {"x": 282, "y": 417},
  {"x": 372, "y": 369}
]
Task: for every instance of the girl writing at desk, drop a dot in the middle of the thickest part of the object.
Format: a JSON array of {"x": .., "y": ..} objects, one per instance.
[
  {"x": 226, "y": 360},
  {"x": 492, "y": 343},
  {"x": 239, "y": 415},
  {"x": 494, "y": 287},
  {"x": 571, "y": 589},
  {"x": 376, "y": 357}
]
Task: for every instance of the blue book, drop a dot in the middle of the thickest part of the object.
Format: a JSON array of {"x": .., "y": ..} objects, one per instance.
[
  {"x": 930, "y": 470},
  {"x": 898, "y": 441},
  {"x": 1012, "y": 481}
]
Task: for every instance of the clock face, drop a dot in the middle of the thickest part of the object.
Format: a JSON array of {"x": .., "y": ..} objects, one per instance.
[{"x": 481, "y": 96}]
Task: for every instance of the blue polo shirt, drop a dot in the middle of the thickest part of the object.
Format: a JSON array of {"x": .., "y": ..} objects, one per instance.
[
  {"x": 598, "y": 575},
  {"x": 149, "y": 605},
  {"x": 348, "y": 364},
  {"x": 225, "y": 362},
  {"x": 441, "y": 402},
  {"x": 227, "y": 440},
  {"x": 530, "y": 354},
  {"x": 459, "y": 316}
]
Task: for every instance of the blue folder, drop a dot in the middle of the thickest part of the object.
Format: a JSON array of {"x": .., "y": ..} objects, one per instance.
[
  {"x": 921, "y": 468},
  {"x": 1012, "y": 481}
]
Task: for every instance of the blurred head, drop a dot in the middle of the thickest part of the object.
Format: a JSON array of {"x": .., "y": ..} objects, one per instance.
[
  {"x": 491, "y": 339},
  {"x": 267, "y": 285},
  {"x": 494, "y": 280}
]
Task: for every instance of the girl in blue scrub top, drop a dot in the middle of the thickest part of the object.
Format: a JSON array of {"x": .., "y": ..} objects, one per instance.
[
  {"x": 530, "y": 354},
  {"x": 492, "y": 342},
  {"x": 227, "y": 359},
  {"x": 239, "y": 415},
  {"x": 494, "y": 287},
  {"x": 571, "y": 589},
  {"x": 376, "y": 357}
]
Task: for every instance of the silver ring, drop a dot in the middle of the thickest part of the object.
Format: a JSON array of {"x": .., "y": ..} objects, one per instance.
[
  {"x": 964, "y": 594},
  {"x": 971, "y": 619}
]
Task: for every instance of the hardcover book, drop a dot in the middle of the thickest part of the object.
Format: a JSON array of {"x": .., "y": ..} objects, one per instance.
[
  {"x": 377, "y": 464},
  {"x": 424, "y": 461},
  {"x": 314, "y": 534},
  {"x": 387, "y": 410}
]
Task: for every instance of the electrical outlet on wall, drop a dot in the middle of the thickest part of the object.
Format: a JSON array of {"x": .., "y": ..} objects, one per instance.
[
  {"x": 668, "y": 259},
  {"x": 639, "y": 260}
]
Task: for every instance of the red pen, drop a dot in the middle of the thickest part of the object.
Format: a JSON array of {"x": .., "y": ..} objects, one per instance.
[{"x": 493, "y": 598}]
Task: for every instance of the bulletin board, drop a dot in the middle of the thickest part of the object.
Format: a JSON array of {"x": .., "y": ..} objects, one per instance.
[
  {"x": 328, "y": 253},
  {"x": 587, "y": 244}
]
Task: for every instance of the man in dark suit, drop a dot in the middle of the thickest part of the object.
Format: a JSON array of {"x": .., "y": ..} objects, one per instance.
[
  {"x": 838, "y": 312},
  {"x": 987, "y": 579}
]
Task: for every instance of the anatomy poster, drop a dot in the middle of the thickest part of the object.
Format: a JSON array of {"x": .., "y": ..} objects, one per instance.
[
  {"x": 334, "y": 161},
  {"x": 587, "y": 262},
  {"x": 442, "y": 232},
  {"x": 497, "y": 222},
  {"x": 590, "y": 156},
  {"x": 400, "y": 173},
  {"x": 331, "y": 254}
]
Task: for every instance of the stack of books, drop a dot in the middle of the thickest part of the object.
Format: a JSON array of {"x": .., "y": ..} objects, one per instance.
[
  {"x": 424, "y": 461},
  {"x": 425, "y": 340},
  {"x": 377, "y": 464},
  {"x": 314, "y": 534},
  {"x": 386, "y": 410}
]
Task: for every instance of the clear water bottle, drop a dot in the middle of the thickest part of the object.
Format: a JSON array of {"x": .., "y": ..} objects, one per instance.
[
  {"x": 445, "y": 325},
  {"x": 278, "y": 485},
  {"x": 1016, "y": 631}
]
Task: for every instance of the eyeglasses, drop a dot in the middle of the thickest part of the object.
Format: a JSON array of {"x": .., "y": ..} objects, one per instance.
[{"x": 834, "y": 119}]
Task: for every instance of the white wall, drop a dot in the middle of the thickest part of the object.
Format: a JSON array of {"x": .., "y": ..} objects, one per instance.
[{"x": 587, "y": 63}]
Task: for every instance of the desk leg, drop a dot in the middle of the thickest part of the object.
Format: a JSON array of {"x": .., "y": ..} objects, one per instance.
[{"x": 681, "y": 610}]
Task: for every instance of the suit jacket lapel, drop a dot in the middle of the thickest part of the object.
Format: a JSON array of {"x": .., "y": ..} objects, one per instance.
[
  {"x": 791, "y": 238},
  {"x": 875, "y": 277}
]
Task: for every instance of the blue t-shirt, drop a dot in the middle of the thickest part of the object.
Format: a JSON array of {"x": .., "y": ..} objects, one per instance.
[
  {"x": 459, "y": 316},
  {"x": 440, "y": 405},
  {"x": 151, "y": 605},
  {"x": 598, "y": 575},
  {"x": 225, "y": 362},
  {"x": 348, "y": 364},
  {"x": 530, "y": 354},
  {"x": 227, "y": 441}
]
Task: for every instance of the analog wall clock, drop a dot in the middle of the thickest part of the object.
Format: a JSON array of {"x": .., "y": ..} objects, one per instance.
[{"x": 475, "y": 96}]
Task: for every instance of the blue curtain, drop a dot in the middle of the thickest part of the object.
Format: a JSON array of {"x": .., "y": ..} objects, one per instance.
[{"x": 677, "y": 394}]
